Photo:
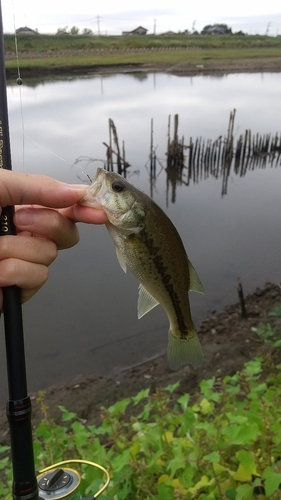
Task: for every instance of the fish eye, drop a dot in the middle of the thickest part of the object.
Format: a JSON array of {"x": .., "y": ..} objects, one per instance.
[{"x": 118, "y": 186}]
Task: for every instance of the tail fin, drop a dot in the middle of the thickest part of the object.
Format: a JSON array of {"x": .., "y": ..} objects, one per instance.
[{"x": 184, "y": 351}]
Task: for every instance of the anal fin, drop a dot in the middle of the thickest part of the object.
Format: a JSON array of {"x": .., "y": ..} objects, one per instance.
[
  {"x": 195, "y": 283},
  {"x": 145, "y": 302}
]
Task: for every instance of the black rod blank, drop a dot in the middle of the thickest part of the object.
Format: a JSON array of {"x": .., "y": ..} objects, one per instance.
[{"x": 18, "y": 405}]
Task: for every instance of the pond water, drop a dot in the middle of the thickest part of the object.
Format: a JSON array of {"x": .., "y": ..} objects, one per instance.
[{"x": 84, "y": 320}]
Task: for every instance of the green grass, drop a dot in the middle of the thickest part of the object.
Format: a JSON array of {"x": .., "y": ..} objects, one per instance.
[
  {"x": 44, "y": 52},
  {"x": 204, "y": 56},
  {"x": 45, "y": 43}
]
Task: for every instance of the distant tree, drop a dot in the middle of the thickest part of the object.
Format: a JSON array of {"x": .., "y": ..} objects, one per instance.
[
  {"x": 206, "y": 27},
  {"x": 62, "y": 31},
  {"x": 227, "y": 28},
  {"x": 87, "y": 32},
  {"x": 239, "y": 33},
  {"x": 74, "y": 30}
]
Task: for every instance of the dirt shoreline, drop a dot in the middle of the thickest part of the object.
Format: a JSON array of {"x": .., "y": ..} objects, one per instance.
[
  {"x": 272, "y": 64},
  {"x": 227, "y": 340}
]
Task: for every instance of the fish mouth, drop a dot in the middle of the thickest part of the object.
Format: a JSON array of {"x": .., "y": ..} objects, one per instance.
[{"x": 94, "y": 194}]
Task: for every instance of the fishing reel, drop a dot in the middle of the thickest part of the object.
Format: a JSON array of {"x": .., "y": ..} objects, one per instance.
[{"x": 62, "y": 483}]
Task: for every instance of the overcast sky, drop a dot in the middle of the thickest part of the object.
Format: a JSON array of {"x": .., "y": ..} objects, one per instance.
[{"x": 111, "y": 17}]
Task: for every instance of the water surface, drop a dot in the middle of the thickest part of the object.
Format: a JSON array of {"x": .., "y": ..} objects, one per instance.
[{"x": 84, "y": 320}]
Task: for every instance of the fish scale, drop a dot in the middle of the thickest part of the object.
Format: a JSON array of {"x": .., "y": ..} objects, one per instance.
[{"x": 148, "y": 244}]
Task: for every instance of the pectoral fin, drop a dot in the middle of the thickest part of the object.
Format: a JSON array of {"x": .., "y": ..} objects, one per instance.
[
  {"x": 195, "y": 283},
  {"x": 145, "y": 302},
  {"x": 121, "y": 259}
]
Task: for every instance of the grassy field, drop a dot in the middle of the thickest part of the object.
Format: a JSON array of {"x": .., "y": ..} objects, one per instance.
[
  {"x": 62, "y": 52},
  {"x": 45, "y": 43}
]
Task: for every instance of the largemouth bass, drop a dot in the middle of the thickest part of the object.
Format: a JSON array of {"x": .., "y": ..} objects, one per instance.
[{"x": 149, "y": 245}]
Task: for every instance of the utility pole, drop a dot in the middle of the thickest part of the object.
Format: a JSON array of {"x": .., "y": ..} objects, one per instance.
[
  {"x": 154, "y": 26},
  {"x": 267, "y": 28},
  {"x": 98, "y": 21}
]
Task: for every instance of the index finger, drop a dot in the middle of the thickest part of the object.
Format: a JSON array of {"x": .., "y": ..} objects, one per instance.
[
  {"x": 81, "y": 213},
  {"x": 17, "y": 188}
]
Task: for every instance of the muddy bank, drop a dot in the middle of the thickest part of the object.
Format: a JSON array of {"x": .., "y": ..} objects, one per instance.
[
  {"x": 228, "y": 342},
  {"x": 254, "y": 65}
]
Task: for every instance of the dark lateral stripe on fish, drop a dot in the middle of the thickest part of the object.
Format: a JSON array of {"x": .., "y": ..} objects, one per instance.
[
  {"x": 146, "y": 242},
  {"x": 166, "y": 280}
]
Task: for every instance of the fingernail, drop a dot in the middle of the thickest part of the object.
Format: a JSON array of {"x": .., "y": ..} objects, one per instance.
[
  {"x": 24, "y": 217},
  {"x": 77, "y": 187}
]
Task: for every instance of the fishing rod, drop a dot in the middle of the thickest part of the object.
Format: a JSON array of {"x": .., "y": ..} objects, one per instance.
[
  {"x": 18, "y": 405},
  {"x": 53, "y": 482}
]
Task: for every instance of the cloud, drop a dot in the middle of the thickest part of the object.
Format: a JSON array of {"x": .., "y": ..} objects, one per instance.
[{"x": 51, "y": 15}]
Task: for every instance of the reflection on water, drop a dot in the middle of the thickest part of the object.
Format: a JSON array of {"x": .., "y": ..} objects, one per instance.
[
  {"x": 220, "y": 158},
  {"x": 201, "y": 159},
  {"x": 84, "y": 320}
]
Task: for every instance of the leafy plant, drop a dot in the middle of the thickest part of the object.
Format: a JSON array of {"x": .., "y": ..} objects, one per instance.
[
  {"x": 267, "y": 332},
  {"x": 276, "y": 311},
  {"x": 225, "y": 444}
]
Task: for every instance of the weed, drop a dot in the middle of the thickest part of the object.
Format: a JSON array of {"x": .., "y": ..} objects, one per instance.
[{"x": 225, "y": 445}]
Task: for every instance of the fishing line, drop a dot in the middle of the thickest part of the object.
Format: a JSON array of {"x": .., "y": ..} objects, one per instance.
[
  {"x": 19, "y": 82},
  {"x": 47, "y": 150},
  {"x": 82, "y": 462},
  {"x": 24, "y": 134}
]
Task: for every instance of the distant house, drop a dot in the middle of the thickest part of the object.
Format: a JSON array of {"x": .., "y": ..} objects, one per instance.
[
  {"x": 138, "y": 31},
  {"x": 169, "y": 33},
  {"x": 26, "y": 31},
  {"x": 215, "y": 30}
]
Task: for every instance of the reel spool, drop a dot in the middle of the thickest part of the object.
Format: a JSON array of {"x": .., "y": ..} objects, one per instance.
[{"x": 57, "y": 483}]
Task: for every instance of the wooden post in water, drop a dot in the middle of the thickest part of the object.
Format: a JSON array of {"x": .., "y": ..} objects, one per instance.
[
  {"x": 121, "y": 160},
  {"x": 169, "y": 139},
  {"x": 152, "y": 154},
  {"x": 176, "y": 126},
  {"x": 229, "y": 140},
  {"x": 175, "y": 147},
  {"x": 124, "y": 159},
  {"x": 190, "y": 160},
  {"x": 238, "y": 155},
  {"x": 115, "y": 138},
  {"x": 109, "y": 150},
  {"x": 151, "y": 143},
  {"x": 243, "y": 310}
]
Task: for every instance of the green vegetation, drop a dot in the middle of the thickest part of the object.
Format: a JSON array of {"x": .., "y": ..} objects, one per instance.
[
  {"x": 65, "y": 53},
  {"x": 48, "y": 53},
  {"x": 222, "y": 444},
  {"x": 55, "y": 43},
  {"x": 205, "y": 57}
]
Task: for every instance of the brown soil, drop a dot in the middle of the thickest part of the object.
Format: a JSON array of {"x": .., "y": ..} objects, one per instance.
[
  {"x": 228, "y": 342},
  {"x": 258, "y": 64}
]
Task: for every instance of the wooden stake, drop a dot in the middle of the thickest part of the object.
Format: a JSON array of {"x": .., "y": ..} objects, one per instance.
[{"x": 243, "y": 310}]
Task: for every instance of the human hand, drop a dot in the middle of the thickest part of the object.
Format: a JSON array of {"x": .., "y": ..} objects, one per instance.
[{"x": 24, "y": 260}]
